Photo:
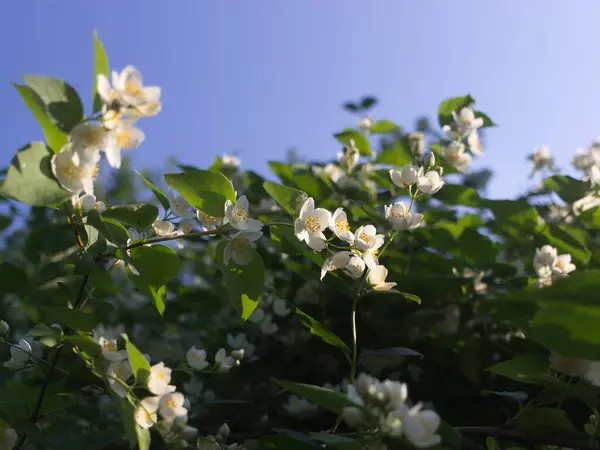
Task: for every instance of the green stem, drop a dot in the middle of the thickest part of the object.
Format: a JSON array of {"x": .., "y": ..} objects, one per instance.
[{"x": 354, "y": 341}]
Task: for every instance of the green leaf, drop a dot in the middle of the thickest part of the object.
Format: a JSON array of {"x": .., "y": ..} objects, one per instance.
[
  {"x": 475, "y": 248},
  {"x": 136, "y": 435},
  {"x": 316, "y": 328},
  {"x": 325, "y": 398},
  {"x": 566, "y": 240},
  {"x": 291, "y": 200},
  {"x": 411, "y": 297},
  {"x": 513, "y": 217},
  {"x": 532, "y": 420},
  {"x": 283, "y": 171},
  {"x": 398, "y": 153},
  {"x": 375, "y": 216},
  {"x": 160, "y": 195},
  {"x": 383, "y": 126},
  {"x": 203, "y": 189},
  {"x": 137, "y": 215},
  {"x": 452, "y": 104},
  {"x": 102, "y": 283},
  {"x": 532, "y": 369},
  {"x": 77, "y": 320},
  {"x": 393, "y": 351},
  {"x": 100, "y": 67},
  {"x": 567, "y": 188},
  {"x": 112, "y": 230},
  {"x": 30, "y": 180},
  {"x": 368, "y": 102},
  {"x": 85, "y": 344},
  {"x": 55, "y": 138},
  {"x": 245, "y": 284},
  {"x": 457, "y": 194},
  {"x": 361, "y": 142},
  {"x": 139, "y": 364},
  {"x": 61, "y": 101}
]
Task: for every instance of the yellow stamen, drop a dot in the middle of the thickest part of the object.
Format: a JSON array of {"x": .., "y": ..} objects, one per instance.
[
  {"x": 123, "y": 138},
  {"x": 240, "y": 214},
  {"x": 312, "y": 223},
  {"x": 240, "y": 245},
  {"x": 342, "y": 225}
]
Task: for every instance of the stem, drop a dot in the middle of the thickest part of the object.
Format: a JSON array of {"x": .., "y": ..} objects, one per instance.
[
  {"x": 529, "y": 439},
  {"x": 354, "y": 341}
]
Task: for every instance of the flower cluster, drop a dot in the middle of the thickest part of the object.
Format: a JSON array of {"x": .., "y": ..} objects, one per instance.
[
  {"x": 196, "y": 359},
  {"x": 123, "y": 103},
  {"x": 381, "y": 406},
  {"x": 464, "y": 129},
  {"x": 549, "y": 264},
  {"x": 541, "y": 159},
  {"x": 588, "y": 161}
]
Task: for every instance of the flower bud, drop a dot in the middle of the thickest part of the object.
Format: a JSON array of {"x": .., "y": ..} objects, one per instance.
[
  {"x": 223, "y": 432},
  {"x": 429, "y": 160},
  {"x": 238, "y": 355},
  {"x": 416, "y": 142},
  {"x": 4, "y": 329}
]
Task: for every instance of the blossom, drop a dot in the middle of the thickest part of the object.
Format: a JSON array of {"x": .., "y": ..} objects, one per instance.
[
  {"x": 163, "y": 228},
  {"x": 465, "y": 125},
  {"x": 430, "y": 183},
  {"x": 8, "y": 438},
  {"x": 400, "y": 218},
  {"x": 267, "y": 326},
  {"x": 365, "y": 124},
  {"x": 223, "y": 361},
  {"x": 333, "y": 172},
  {"x": 406, "y": 176},
  {"x": 145, "y": 413},
  {"x": 180, "y": 207},
  {"x": 366, "y": 238},
  {"x": 594, "y": 174},
  {"x": 376, "y": 278},
  {"x": 299, "y": 406},
  {"x": 171, "y": 405},
  {"x": 230, "y": 161},
  {"x": 108, "y": 342},
  {"x": 416, "y": 142},
  {"x": 585, "y": 203},
  {"x": 118, "y": 373},
  {"x": 122, "y": 136},
  {"x": 240, "y": 342},
  {"x": 86, "y": 202},
  {"x": 311, "y": 223},
  {"x": 88, "y": 139},
  {"x": 340, "y": 227},
  {"x": 113, "y": 105},
  {"x": 355, "y": 266},
  {"x": 420, "y": 427},
  {"x": 455, "y": 155},
  {"x": 143, "y": 100},
  {"x": 573, "y": 367},
  {"x": 196, "y": 358},
  {"x": 240, "y": 247},
  {"x": 72, "y": 173},
  {"x": 583, "y": 160},
  {"x": 159, "y": 379},
  {"x": 336, "y": 261},
  {"x": 280, "y": 307},
  {"x": 4, "y": 329},
  {"x": 19, "y": 355},
  {"x": 563, "y": 265},
  {"x": 238, "y": 216},
  {"x": 544, "y": 260}
]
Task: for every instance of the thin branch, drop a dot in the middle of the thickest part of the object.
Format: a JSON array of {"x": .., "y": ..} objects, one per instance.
[{"x": 539, "y": 439}]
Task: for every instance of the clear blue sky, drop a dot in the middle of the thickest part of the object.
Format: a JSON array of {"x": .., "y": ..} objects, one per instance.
[{"x": 262, "y": 76}]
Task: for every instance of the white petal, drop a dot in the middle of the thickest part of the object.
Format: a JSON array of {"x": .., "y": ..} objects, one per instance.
[{"x": 113, "y": 156}]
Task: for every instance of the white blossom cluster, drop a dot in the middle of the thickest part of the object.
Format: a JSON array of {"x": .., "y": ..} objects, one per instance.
[
  {"x": 196, "y": 359},
  {"x": 123, "y": 103},
  {"x": 464, "y": 129},
  {"x": 381, "y": 406},
  {"x": 550, "y": 265}
]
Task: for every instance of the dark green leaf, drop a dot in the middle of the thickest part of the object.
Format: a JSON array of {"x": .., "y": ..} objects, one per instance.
[
  {"x": 291, "y": 200},
  {"x": 157, "y": 264},
  {"x": 566, "y": 240},
  {"x": 61, "y": 101},
  {"x": 368, "y": 102},
  {"x": 100, "y": 67},
  {"x": 457, "y": 194},
  {"x": 203, "y": 189},
  {"x": 139, "y": 364},
  {"x": 30, "y": 179},
  {"x": 77, "y": 320},
  {"x": 532, "y": 369},
  {"x": 535, "y": 420},
  {"x": 85, "y": 344},
  {"x": 567, "y": 188},
  {"x": 452, "y": 104},
  {"x": 327, "y": 399},
  {"x": 316, "y": 328},
  {"x": 137, "y": 215}
]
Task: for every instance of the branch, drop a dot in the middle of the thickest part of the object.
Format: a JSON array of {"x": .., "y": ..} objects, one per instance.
[{"x": 540, "y": 439}]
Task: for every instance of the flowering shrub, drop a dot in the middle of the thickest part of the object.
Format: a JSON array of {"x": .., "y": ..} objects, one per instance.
[{"x": 376, "y": 301}]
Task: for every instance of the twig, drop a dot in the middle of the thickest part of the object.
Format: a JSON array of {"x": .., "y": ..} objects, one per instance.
[{"x": 541, "y": 439}]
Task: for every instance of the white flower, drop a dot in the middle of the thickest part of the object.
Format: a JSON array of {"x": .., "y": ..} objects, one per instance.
[
  {"x": 340, "y": 227},
  {"x": 376, "y": 278},
  {"x": 8, "y": 438},
  {"x": 420, "y": 427},
  {"x": 163, "y": 228},
  {"x": 240, "y": 247},
  {"x": 267, "y": 326},
  {"x": 4, "y": 329},
  {"x": 333, "y": 172},
  {"x": 122, "y": 136},
  {"x": 108, "y": 343},
  {"x": 583, "y": 160},
  {"x": 563, "y": 265},
  {"x": 240, "y": 342},
  {"x": 72, "y": 173},
  {"x": 585, "y": 203},
  {"x": 209, "y": 222},
  {"x": 400, "y": 218},
  {"x": 196, "y": 358},
  {"x": 181, "y": 208},
  {"x": 113, "y": 105},
  {"x": 145, "y": 100},
  {"x": 366, "y": 238},
  {"x": 159, "y": 379},
  {"x": 88, "y": 139},
  {"x": 406, "y": 176},
  {"x": 230, "y": 161},
  {"x": 19, "y": 355},
  {"x": 223, "y": 361},
  {"x": 355, "y": 267},
  {"x": 568, "y": 365},
  {"x": 455, "y": 155},
  {"x": 145, "y": 414},
  {"x": 594, "y": 174},
  {"x": 85, "y": 203},
  {"x": 118, "y": 373},
  {"x": 365, "y": 124},
  {"x": 592, "y": 374},
  {"x": 544, "y": 260},
  {"x": 299, "y": 406},
  {"x": 280, "y": 307},
  {"x": 430, "y": 183},
  {"x": 338, "y": 260},
  {"x": 171, "y": 405},
  {"x": 311, "y": 223},
  {"x": 239, "y": 217}
]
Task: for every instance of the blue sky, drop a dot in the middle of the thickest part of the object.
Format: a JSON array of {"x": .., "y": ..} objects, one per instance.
[{"x": 259, "y": 77}]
